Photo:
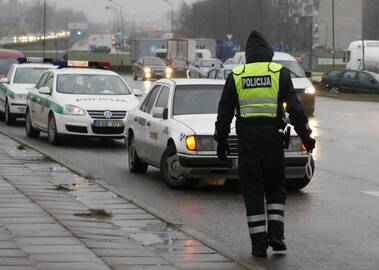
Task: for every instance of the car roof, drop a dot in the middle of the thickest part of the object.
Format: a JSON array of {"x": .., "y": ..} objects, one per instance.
[
  {"x": 193, "y": 81},
  {"x": 281, "y": 56},
  {"x": 89, "y": 71},
  {"x": 5, "y": 53},
  {"x": 35, "y": 65}
]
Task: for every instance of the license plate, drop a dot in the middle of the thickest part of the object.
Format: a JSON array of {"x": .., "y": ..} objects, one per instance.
[
  {"x": 21, "y": 109},
  {"x": 108, "y": 123}
]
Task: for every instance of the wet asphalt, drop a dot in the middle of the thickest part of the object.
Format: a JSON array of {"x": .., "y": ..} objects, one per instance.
[{"x": 332, "y": 224}]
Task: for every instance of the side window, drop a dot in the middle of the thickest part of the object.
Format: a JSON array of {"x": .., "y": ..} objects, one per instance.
[
  {"x": 211, "y": 74},
  {"x": 349, "y": 75},
  {"x": 41, "y": 81},
  {"x": 49, "y": 82},
  {"x": 149, "y": 102},
  {"x": 10, "y": 72},
  {"x": 162, "y": 101},
  {"x": 363, "y": 77}
]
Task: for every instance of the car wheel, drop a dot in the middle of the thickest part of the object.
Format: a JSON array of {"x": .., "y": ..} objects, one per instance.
[
  {"x": 9, "y": 119},
  {"x": 136, "y": 165},
  {"x": 31, "y": 132},
  {"x": 297, "y": 183},
  {"x": 52, "y": 134},
  {"x": 171, "y": 171},
  {"x": 334, "y": 89}
]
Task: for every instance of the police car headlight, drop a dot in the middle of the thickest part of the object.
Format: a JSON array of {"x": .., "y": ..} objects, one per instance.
[
  {"x": 147, "y": 70},
  {"x": 20, "y": 96},
  {"x": 168, "y": 70},
  {"x": 296, "y": 145},
  {"x": 73, "y": 110},
  {"x": 206, "y": 143},
  {"x": 310, "y": 90}
]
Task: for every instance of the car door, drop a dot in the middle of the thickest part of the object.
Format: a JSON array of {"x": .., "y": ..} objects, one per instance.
[
  {"x": 35, "y": 107},
  {"x": 143, "y": 120},
  {"x": 44, "y": 104},
  {"x": 212, "y": 73},
  {"x": 4, "y": 87},
  {"x": 367, "y": 82},
  {"x": 349, "y": 80},
  {"x": 157, "y": 128}
]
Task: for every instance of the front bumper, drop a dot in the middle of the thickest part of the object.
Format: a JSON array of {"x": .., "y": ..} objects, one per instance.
[
  {"x": 83, "y": 126},
  {"x": 17, "y": 107},
  {"x": 208, "y": 167}
]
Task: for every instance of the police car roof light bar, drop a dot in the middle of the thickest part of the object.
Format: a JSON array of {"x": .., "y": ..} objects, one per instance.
[
  {"x": 40, "y": 60},
  {"x": 81, "y": 64}
]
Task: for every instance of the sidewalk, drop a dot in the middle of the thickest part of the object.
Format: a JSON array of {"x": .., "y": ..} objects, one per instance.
[{"x": 46, "y": 222}]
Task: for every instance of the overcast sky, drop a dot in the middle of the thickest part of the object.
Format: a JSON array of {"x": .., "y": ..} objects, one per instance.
[{"x": 95, "y": 9}]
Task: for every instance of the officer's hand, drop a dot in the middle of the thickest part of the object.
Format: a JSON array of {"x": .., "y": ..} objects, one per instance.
[
  {"x": 223, "y": 151},
  {"x": 309, "y": 144}
]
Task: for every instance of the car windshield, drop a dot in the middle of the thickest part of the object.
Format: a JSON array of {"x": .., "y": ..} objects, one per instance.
[
  {"x": 197, "y": 99},
  {"x": 180, "y": 63},
  {"x": 294, "y": 67},
  {"x": 5, "y": 64},
  {"x": 28, "y": 75},
  {"x": 153, "y": 61},
  {"x": 88, "y": 84},
  {"x": 210, "y": 63}
]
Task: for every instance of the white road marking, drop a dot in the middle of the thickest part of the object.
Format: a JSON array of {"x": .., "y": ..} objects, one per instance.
[
  {"x": 345, "y": 114},
  {"x": 372, "y": 193}
]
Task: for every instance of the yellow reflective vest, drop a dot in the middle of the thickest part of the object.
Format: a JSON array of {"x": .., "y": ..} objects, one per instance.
[{"x": 257, "y": 86}]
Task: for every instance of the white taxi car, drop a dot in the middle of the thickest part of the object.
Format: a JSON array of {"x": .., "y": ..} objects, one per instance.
[
  {"x": 78, "y": 101},
  {"x": 15, "y": 87},
  {"x": 173, "y": 127}
]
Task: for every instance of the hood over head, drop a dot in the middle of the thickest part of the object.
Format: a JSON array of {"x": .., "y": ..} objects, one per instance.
[{"x": 258, "y": 49}]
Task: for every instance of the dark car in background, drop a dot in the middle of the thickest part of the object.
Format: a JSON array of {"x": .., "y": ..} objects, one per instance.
[
  {"x": 151, "y": 67},
  {"x": 179, "y": 68},
  {"x": 100, "y": 49},
  {"x": 338, "y": 80},
  {"x": 7, "y": 58}
]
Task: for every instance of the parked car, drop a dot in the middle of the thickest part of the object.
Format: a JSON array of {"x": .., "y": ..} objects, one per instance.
[
  {"x": 351, "y": 80},
  {"x": 199, "y": 68},
  {"x": 172, "y": 129},
  {"x": 179, "y": 68},
  {"x": 7, "y": 58},
  {"x": 219, "y": 73},
  {"x": 151, "y": 67},
  {"x": 100, "y": 49}
]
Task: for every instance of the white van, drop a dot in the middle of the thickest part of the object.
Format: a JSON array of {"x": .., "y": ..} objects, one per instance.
[{"x": 303, "y": 86}]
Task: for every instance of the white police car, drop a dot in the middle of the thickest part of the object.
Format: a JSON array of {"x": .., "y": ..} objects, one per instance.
[
  {"x": 79, "y": 101},
  {"x": 173, "y": 127},
  {"x": 14, "y": 88}
]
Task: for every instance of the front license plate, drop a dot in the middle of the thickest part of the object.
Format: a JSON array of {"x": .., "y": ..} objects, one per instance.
[{"x": 108, "y": 123}]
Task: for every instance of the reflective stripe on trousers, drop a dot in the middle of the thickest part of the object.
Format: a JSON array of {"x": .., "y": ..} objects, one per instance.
[
  {"x": 257, "y": 223},
  {"x": 275, "y": 212}
]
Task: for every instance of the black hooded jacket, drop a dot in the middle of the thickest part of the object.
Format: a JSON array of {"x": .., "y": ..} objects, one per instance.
[{"x": 259, "y": 50}]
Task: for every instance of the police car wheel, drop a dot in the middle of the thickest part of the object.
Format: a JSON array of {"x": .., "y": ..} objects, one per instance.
[
  {"x": 171, "y": 171},
  {"x": 52, "y": 134},
  {"x": 296, "y": 184},
  {"x": 31, "y": 132},
  {"x": 9, "y": 119},
  {"x": 135, "y": 164}
]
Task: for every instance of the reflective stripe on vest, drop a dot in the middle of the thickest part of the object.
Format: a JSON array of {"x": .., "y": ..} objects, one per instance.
[{"x": 257, "y": 86}]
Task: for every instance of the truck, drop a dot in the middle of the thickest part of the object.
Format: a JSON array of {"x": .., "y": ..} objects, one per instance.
[
  {"x": 362, "y": 55},
  {"x": 226, "y": 49},
  {"x": 146, "y": 47}
]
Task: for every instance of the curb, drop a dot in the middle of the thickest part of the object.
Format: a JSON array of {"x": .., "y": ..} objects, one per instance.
[{"x": 247, "y": 264}]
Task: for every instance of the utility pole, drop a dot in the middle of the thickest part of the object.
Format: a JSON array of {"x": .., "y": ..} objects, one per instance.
[
  {"x": 229, "y": 18},
  {"x": 333, "y": 35},
  {"x": 44, "y": 28},
  {"x": 311, "y": 44},
  {"x": 172, "y": 14}
]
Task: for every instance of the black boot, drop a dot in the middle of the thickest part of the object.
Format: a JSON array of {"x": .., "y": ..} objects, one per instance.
[
  {"x": 259, "y": 253},
  {"x": 277, "y": 244}
]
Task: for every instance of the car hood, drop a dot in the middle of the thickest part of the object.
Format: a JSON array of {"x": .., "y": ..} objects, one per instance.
[
  {"x": 20, "y": 88},
  {"x": 100, "y": 102},
  {"x": 201, "y": 124},
  {"x": 301, "y": 83}
]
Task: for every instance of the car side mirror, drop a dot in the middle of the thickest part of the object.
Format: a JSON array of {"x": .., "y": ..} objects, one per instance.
[
  {"x": 4, "y": 80},
  {"x": 160, "y": 113},
  {"x": 308, "y": 74},
  {"x": 44, "y": 90},
  {"x": 138, "y": 92}
]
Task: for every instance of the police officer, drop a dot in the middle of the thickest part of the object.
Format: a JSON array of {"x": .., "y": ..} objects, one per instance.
[{"x": 255, "y": 93}]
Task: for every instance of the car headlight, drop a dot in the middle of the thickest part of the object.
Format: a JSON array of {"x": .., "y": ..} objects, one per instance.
[
  {"x": 206, "y": 143},
  {"x": 310, "y": 90},
  {"x": 191, "y": 143},
  {"x": 296, "y": 145},
  {"x": 20, "y": 96},
  {"x": 147, "y": 70},
  {"x": 168, "y": 70},
  {"x": 73, "y": 110}
]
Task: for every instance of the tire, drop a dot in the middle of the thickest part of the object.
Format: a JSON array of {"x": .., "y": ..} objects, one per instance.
[
  {"x": 296, "y": 184},
  {"x": 52, "y": 134},
  {"x": 8, "y": 118},
  {"x": 335, "y": 89},
  {"x": 175, "y": 180},
  {"x": 136, "y": 165},
  {"x": 31, "y": 132}
]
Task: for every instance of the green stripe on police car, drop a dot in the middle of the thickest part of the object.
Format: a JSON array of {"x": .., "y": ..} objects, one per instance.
[
  {"x": 45, "y": 102},
  {"x": 8, "y": 92}
]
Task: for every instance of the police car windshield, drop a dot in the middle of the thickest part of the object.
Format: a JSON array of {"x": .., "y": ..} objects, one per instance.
[
  {"x": 294, "y": 68},
  {"x": 28, "y": 75},
  {"x": 88, "y": 84},
  {"x": 197, "y": 99}
]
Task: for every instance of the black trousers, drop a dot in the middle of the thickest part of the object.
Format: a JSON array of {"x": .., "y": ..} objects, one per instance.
[{"x": 262, "y": 173}]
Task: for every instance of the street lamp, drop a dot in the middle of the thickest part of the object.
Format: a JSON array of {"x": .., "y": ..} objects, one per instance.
[
  {"x": 172, "y": 14},
  {"x": 333, "y": 35},
  {"x": 115, "y": 24},
  {"x": 44, "y": 28},
  {"x": 122, "y": 18}
]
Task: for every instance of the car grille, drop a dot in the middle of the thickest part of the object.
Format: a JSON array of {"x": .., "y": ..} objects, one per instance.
[
  {"x": 100, "y": 114},
  {"x": 108, "y": 130},
  {"x": 233, "y": 145},
  {"x": 76, "y": 129}
]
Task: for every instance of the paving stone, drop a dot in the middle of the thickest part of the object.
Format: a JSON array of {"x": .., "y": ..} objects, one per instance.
[
  {"x": 47, "y": 249},
  {"x": 66, "y": 257},
  {"x": 47, "y": 241},
  {"x": 11, "y": 253},
  {"x": 51, "y": 233},
  {"x": 27, "y": 220},
  {"x": 8, "y": 267},
  {"x": 14, "y": 261},
  {"x": 72, "y": 266},
  {"x": 123, "y": 253},
  {"x": 136, "y": 260},
  {"x": 8, "y": 245},
  {"x": 144, "y": 267},
  {"x": 124, "y": 244},
  {"x": 208, "y": 266},
  {"x": 195, "y": 257}
]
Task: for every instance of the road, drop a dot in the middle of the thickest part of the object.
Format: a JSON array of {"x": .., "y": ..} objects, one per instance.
[{"x": 331, "y": 224}]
